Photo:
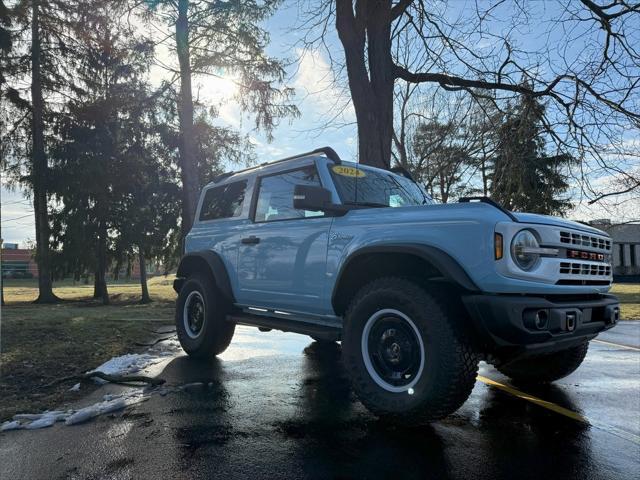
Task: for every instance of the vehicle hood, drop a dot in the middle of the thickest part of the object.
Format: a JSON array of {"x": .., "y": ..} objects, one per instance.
[{"x": 557, "y": 222}]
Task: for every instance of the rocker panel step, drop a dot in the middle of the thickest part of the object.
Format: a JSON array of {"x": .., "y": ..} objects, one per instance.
[{"x": 323, "y": 332}]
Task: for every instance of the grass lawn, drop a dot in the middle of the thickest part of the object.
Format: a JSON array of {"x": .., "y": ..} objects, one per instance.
[
  {"x": 40, "y": 343},
  {"x": 629, "y": 295}
]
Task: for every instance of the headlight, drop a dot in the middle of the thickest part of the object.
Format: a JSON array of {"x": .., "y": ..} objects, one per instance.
[{"x": 525, "y": 249}]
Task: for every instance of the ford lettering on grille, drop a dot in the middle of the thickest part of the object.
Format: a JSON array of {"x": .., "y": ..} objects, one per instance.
[{"x": 582, "y": 255}]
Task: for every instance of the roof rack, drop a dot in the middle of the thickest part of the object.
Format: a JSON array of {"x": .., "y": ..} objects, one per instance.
[{"x": 328, "y": 152}]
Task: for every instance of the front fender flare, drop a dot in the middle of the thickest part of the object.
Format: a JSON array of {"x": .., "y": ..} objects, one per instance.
[{"x": 442, "y": 261}]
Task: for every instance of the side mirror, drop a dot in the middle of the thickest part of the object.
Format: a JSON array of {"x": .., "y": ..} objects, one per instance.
[{"x": 311, "y": 197}]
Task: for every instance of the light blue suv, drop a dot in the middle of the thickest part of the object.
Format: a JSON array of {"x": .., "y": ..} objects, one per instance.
[{"x": 417, "y": 294}]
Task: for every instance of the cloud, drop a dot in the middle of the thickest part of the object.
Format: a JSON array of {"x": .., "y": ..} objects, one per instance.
[{"x": 319, "y": 90}]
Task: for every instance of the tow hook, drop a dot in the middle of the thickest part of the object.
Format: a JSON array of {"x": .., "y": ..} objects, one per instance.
[{"x": 570, "y": 321}]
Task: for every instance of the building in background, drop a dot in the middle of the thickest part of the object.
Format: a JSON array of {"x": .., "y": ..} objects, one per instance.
[
  {"x": 626, "y": 249},
  {"x": 18, "y": 262}
]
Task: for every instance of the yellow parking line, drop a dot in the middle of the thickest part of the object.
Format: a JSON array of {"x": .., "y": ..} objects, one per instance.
[
  {"x": 538, "y": 401},
  {"x": 632, "y": 437},
  {"x": 628, "y": 347}
]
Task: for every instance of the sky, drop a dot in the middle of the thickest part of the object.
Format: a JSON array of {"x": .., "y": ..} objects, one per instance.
[{"x": 320, "y": 100}]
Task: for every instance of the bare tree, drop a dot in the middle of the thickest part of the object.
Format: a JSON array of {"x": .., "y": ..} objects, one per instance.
[
  {"x": 580, "y": 58},
  {"x": 450, "y": 146}
]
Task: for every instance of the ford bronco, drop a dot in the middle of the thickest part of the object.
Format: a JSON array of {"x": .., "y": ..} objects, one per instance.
[{"x": 417, "y": 294}]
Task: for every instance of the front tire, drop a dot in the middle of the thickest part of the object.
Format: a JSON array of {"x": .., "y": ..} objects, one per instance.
[
  {"x": 408, "y": 360},
  {"x": 202, "y": 329},
  {"x": 546, "y": 368}
]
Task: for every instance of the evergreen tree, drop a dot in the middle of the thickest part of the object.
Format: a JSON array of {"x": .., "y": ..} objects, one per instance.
[
  {"x": 100, "y": 133},
  {"x": 209, "y": 38},
  {"x": 525, "y": 178},
  {"x": 42, "y": 50},
  {"x": 148, "y": 218}
]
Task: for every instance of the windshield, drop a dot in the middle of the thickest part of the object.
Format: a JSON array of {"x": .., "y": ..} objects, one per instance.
[{"x": 376, "y": 188}]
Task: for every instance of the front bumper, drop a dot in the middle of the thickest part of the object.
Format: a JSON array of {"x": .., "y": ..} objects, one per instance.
[{"x": 532, "y": 324}]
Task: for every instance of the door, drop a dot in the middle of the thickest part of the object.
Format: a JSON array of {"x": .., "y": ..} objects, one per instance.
[{"x": 282, "y": 255}]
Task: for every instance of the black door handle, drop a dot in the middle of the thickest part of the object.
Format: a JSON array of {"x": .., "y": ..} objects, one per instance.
[{"x": 250, "y": 240}]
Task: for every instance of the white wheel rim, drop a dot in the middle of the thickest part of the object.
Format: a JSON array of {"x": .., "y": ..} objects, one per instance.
[
  {"x": 366, "y": 357},
  {"x": 193, "y": 296}
]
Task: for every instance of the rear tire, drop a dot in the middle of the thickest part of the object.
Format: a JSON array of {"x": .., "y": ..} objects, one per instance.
[
  {"x": 407, "y": 359},
  {"x": 200, "y": 318},
  {"x": 546, "y": 368}
]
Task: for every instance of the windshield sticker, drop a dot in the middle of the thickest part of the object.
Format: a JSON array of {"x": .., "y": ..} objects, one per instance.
[{"x": 348, "y": 171}]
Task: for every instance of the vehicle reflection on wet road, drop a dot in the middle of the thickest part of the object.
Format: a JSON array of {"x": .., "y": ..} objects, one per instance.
[{"x": 279, "y": 405}]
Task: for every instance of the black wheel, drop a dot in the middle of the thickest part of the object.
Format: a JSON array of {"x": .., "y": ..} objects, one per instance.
[
  {"x": 408, "y": 361},
  {"x": 545, "y": 368},
  {"x": 200, "y": 318}
]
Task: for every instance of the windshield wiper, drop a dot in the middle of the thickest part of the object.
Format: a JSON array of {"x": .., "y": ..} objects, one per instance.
[{"x": 367, "y": 204}]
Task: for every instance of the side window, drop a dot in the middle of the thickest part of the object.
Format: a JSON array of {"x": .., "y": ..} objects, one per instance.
[
  {"x": 224, "y": 201},
  {"x": 275, "y": 197}
]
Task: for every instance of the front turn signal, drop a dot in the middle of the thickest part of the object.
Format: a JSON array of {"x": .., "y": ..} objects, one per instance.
[{"x": 498, "y": 245}]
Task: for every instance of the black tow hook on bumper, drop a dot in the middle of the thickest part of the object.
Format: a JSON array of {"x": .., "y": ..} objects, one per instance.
[{"x": 522, "y": 320}]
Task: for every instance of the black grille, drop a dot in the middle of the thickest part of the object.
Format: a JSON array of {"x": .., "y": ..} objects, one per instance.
[
  {"x": 578, "y": 268},
  {"x": 585, "y": 240}
]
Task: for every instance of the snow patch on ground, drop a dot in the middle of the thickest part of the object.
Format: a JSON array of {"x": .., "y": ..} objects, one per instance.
[
  {"x": 133, "y": 363},
  {"x": 109, "y": 404},
  {"x": 123, "y": 365}
]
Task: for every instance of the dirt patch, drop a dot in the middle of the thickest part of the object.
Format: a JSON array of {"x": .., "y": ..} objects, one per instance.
[{"x": 42, "y": 343}]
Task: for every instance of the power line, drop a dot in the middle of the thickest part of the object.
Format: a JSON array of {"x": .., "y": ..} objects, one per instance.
[
  {"x": 24, "y": 200},
  {"x": 17, "y": 218}
]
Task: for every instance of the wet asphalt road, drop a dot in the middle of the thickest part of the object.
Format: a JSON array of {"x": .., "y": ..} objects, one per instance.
[{"x": 280, "y": 406}]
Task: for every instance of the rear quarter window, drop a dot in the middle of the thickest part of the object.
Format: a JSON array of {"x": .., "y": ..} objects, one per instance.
[{"x": 224, "y": 201}]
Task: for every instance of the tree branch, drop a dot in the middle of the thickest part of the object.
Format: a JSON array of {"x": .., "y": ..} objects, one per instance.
[{"x": 399, "y": 8}]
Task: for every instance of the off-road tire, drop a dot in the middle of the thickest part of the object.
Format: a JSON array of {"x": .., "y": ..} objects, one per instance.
[
  {"x": 545, "y": 368},
  {"x": 216, "y": 333},
  {"x": 450, "y": 363}
]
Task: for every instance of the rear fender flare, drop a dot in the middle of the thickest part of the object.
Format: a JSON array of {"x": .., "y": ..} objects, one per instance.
[{"x": 210, "y": 262}]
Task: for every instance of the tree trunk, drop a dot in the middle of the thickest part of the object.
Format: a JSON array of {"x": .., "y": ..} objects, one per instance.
[
  {"x": 483, "y": 170},
  {"x": 400, "y": 137},
  {"x": 188, "y": 170},
  {"x": 116, "y": 269},
  {"x": 40, "y": 167},
  {"x": 96, "y": 283},
  {"x": 372, "y": 89},
  {"x": 101, "y": 268},
  {"x": 143, "y": 278},
  {"x": 129, "y": 268}
]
